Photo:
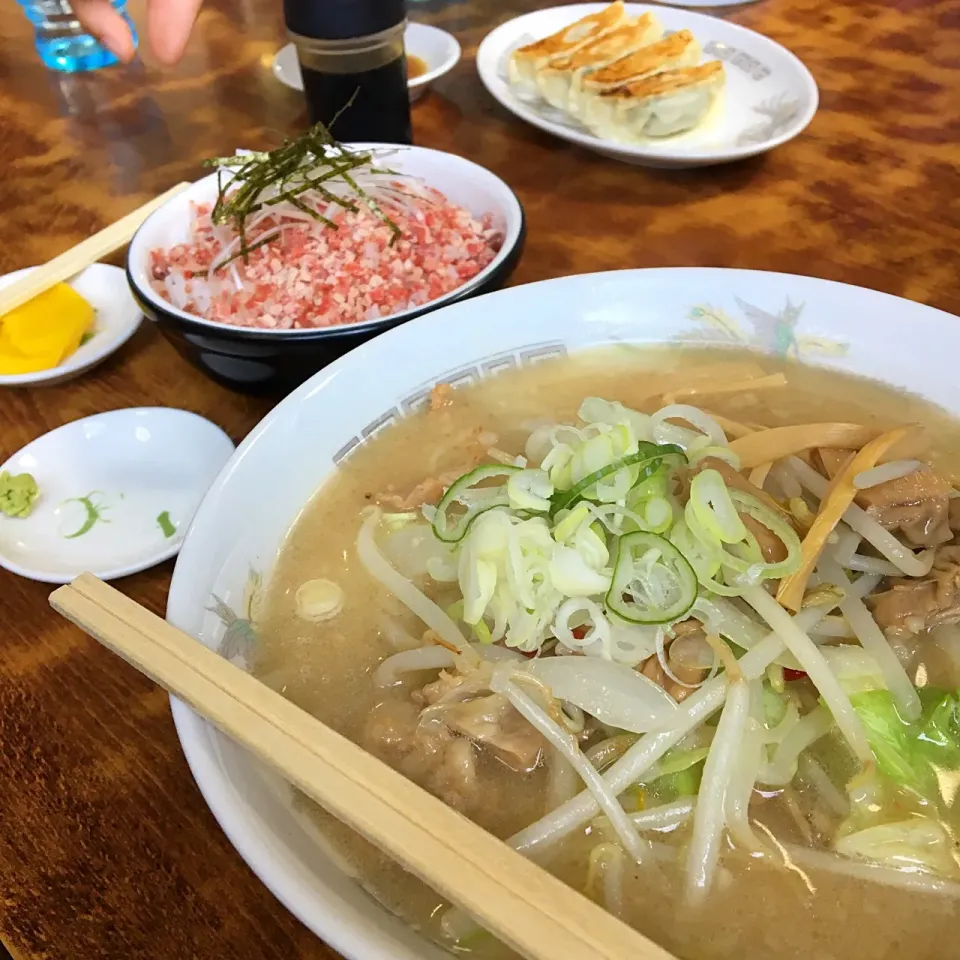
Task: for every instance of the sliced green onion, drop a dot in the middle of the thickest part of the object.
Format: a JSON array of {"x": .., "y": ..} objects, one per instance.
[
  {"x": 705, "y": 558},
  {"x": 776, "y": 525},
  {"x": 656, "y": 485},
  {"x": 397, "y": 520},
  {"x": 453, "y": 530},
  {"x": 705, "y": 425},
  {"x": 741, "y": 561},
  {"x": 572, "y": 576},
  {"x": 715, "y": 565},
  {"x": 593, "y": 455},
  {"x": 648, "y": 458},
  {"x": 748, "y": 550},
  {"x": 557, "y": 456},
  {"x": 596, "y": 410},
  {"x": 652, "y": 580},
  {"x": 718, "y": 586},
  {"x": 567, "y": 528},
  {"x": 720, "y": 453},
  {"x": 478, "y": 580},
  {"x": 530, "y": 490},
  {"x": 591, "y": 543},
  {"x": 613, "y": 518},
  {"x": 658, "y": 514},
  {"x": 711, "y": 504}
]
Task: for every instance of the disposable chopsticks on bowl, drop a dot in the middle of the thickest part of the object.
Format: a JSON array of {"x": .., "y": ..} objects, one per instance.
[
  {"x": 72, "y": 261},
  {"x": 526, "y": 907}
]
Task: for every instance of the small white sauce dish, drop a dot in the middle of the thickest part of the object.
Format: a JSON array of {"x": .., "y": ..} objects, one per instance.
[
  {"x": 117, "y": 319},
  {"x": 438, "y": 49},
  {"x": 117, "y": 493}
]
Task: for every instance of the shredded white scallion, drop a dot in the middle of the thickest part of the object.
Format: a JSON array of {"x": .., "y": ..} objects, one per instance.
[
  {"x": 708, "y": 821},
  {"x": 632, "y": 842},
  {"x": 813, "y": 663},
  {"x": 886, "y": 472},
  {"x": 413, "y": 599}
]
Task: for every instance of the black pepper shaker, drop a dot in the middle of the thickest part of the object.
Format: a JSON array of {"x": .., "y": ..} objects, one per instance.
[{"x": 353, "y": 50}]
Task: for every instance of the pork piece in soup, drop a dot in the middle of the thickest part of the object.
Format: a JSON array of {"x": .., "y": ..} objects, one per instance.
[{"x": 680, "y": 625}]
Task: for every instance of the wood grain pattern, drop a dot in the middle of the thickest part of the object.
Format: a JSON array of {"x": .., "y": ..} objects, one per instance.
[{"x": 106, "y": 847}]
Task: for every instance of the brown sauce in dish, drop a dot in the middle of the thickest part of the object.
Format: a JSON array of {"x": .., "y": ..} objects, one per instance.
[{"x": 416, "y": 67}]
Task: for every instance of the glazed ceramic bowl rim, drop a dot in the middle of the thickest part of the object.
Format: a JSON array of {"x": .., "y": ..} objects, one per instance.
[
  {"x": 635, "y": 316},
  {"x": 138, "y": 251},
  {"x": 445, "y": 66}
]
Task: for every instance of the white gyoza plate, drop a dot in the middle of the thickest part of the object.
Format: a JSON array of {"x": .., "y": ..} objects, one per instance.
[
  {"x": 117, "y": 319},
  {"x": 105, "y": 482},
  {"x": 770, "y": 95},
  {"x": 238, "y": 530}
]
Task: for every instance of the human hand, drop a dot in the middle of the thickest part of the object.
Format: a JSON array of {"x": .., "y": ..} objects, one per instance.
[{"x": 169, "y": 23}]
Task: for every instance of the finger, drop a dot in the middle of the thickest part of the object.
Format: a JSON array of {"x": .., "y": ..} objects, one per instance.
[
  {"x": 169, "y": 23},
  {"x": 103, "y": 22}
]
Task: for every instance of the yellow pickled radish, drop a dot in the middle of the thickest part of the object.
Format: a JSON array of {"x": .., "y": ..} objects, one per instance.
[{"x": 45, "y": 331}]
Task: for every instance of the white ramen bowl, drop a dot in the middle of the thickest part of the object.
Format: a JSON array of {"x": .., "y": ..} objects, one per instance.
[
  {"x": 770, "y": 96},
  {"x": 390, "y": 377}
]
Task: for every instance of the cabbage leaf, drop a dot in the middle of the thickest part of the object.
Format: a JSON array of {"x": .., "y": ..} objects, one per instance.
[
  {"x": 912, "y": 754},
  {"x": 678, "y": 774}
]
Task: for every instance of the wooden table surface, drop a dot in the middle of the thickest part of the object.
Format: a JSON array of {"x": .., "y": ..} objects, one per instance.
[{"x": 106, "y": 847}]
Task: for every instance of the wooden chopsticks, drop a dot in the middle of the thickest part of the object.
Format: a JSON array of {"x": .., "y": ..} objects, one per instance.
[
  {"x": 526, "y": 907},
  {"x": 72, "y": 261}
]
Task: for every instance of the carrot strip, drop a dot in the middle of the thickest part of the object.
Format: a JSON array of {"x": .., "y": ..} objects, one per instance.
[
  {"x": 832, "y": 508},
  {"x": 780, "y": 442}
]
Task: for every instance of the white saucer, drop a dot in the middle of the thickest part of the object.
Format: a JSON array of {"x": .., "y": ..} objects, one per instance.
[
  {"x": 438, "y": 49},
  {"x": 117, "y": 319},
  {"x": 105, "y": 482},
  {"x": 770, "y": 96}
]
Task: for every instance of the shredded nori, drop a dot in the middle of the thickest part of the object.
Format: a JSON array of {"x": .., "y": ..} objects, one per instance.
[{"x": 295, "y": 167}]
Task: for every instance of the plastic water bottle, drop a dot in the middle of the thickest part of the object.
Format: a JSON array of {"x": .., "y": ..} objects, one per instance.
[{"x": 60, "y": 40}]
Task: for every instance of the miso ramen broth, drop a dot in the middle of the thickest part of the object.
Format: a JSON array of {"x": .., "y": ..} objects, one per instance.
[{"x": 797, "y": 865}]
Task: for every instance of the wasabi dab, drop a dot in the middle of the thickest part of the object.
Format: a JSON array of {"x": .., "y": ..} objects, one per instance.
[{"x": 18, "y": 493}]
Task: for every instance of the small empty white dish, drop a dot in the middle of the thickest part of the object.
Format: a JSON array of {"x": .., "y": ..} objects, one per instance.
[
  {"x": 117, "y": 493},
  {"x": 438, "y": 49},
  {"x": 117, "y": 319}
]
